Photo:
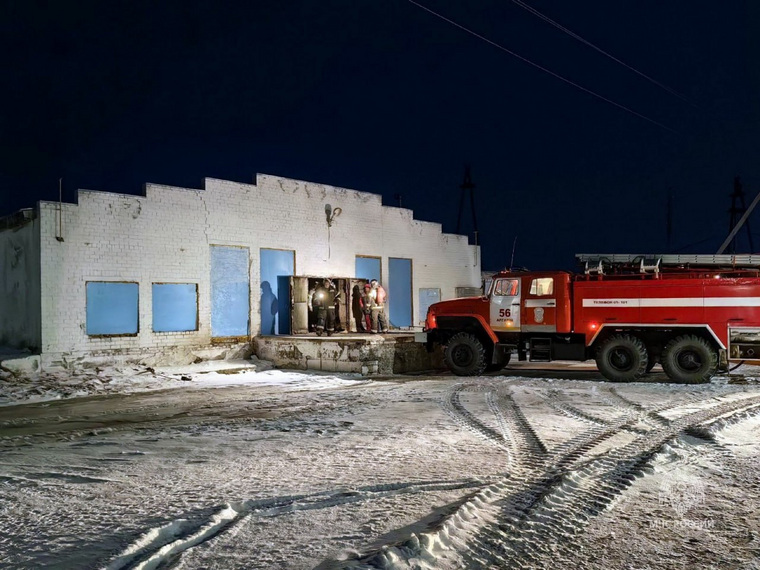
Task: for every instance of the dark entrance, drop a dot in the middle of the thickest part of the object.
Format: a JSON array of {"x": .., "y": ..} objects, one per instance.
[{"x": 303, "y": 319}]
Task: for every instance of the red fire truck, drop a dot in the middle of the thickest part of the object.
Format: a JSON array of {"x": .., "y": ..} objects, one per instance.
[{"x": 693, "y": 314}]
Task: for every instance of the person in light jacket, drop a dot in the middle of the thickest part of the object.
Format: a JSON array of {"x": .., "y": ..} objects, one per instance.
[{"x": 379, "y": 297}]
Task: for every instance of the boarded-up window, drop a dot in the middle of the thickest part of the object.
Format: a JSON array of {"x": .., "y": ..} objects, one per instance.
[
  {"x": 175, "y": 307},
  {"x": 427, "y": 298},
  {"x": 112, "y": 308},
  {"x": 366, "y": 267}
]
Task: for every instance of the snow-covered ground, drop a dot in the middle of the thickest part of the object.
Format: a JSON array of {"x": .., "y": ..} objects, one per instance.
[
  {"x": 222, "y": 466},
  {"x": 114, "y": 379}
]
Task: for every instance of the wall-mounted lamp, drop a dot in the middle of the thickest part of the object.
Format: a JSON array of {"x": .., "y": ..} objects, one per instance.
[{"x": 331, "y": 214}]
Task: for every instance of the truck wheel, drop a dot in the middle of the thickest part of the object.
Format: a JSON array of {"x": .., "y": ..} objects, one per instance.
[
  {"x": 689, "y": 359},
  {"x": 465, "y": 355},
  {"x": 622, "y": 358}
]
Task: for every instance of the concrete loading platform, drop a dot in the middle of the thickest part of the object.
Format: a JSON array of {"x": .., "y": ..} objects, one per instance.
[{"x": 387, "y": 353}]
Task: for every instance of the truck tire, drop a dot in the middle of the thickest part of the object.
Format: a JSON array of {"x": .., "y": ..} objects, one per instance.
[
  {"x": 689, "y": 359},
  {"x": 622, "y": 358},
  {"x": 465, "y": 355}
]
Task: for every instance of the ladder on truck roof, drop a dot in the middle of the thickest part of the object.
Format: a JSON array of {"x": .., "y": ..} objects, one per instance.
[{"x": 651, "y": 263}]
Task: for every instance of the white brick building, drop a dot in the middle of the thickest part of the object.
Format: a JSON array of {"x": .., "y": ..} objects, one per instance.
[{"x": 73, "y": 274}]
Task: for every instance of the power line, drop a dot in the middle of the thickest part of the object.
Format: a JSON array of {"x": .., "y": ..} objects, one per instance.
[
  {"x": 573, "y": 35},
  {"x": 545, "y": 70}
]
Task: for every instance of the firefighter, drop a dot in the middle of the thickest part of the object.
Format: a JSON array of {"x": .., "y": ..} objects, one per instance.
[
  {"x": 323, "y": 304},
  {"x": 366, "y": 301},
  {"x": 379, "y": 297},
  {"x": 319, "y": 308}
]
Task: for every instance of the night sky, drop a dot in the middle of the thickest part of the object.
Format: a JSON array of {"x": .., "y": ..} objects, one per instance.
[{"x": 383, "y": 96}]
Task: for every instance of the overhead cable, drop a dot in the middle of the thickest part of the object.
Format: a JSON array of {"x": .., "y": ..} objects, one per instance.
[
  {"x": 573, "y": 35},
  {"x": 545, "y": 70}
]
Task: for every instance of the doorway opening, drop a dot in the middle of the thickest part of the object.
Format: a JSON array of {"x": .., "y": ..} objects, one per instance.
[{"x": 348, "y": 316}]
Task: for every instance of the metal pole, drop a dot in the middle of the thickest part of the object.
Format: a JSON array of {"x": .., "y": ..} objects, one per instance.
[
  {"x": 59, "y": 237},
  {"x": 739, "y": 224}
]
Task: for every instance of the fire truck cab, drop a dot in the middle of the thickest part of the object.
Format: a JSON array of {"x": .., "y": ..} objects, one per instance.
[{"x": 692, "y": 314}]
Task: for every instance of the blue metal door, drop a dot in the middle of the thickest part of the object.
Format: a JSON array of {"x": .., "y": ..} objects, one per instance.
[
  {"x": 400, "y": 291},
  {"x": 230, "y": 291},
  {"x": 276, "y": 266}
]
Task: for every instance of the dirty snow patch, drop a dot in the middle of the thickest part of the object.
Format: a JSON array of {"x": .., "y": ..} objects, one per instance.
[{"x": 48, "y": 386}]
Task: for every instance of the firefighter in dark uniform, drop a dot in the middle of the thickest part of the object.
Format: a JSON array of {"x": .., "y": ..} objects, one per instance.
[{"x": 323, "y": 303}]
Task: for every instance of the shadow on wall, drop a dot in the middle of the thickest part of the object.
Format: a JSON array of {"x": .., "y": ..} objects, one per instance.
[{"x": 269, "y": 305}]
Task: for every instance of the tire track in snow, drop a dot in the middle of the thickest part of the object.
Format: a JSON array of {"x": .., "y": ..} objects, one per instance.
[
  {"x": 452, "y": 405},
  {"x": 562, "y": 510},
  {"x": 653, "y": 414},
  {"x": 567, "y": 409},
  {"x": 562, "y": 515},
  {"x": 159, "y": 547},
  {"x": 515, "y": 425},
  {"x": 559, "y": 507},
  {"x": 518, "y": 522}
]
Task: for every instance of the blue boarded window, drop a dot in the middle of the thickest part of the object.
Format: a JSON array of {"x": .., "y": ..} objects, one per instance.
[
  {"x": 112, "y": 308},
  {"x": 175, "y": 307},
  {"x": 367, "y": 268},
  {"x": 427, "y": 298}
]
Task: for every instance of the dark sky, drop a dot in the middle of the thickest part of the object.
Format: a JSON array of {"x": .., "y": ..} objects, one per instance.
[{"x": 382, "y": 96}]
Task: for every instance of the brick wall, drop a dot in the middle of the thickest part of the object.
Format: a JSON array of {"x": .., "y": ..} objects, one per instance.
[{"x": 165, "y": 236}]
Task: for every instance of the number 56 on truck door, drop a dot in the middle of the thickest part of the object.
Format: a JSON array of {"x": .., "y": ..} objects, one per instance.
[{"x": 505, "y": 304}]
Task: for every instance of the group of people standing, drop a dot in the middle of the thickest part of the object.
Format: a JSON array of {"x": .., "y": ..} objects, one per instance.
[
  {"x": 372, "y": 303},
  {"x": 324, "y": 301}
]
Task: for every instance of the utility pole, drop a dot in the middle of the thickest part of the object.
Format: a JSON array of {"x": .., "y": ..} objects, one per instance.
[
  {"x": 732, "y": 234},
  {"x": 737, "y": 214},
  {"x": 466, "y": 186}
]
